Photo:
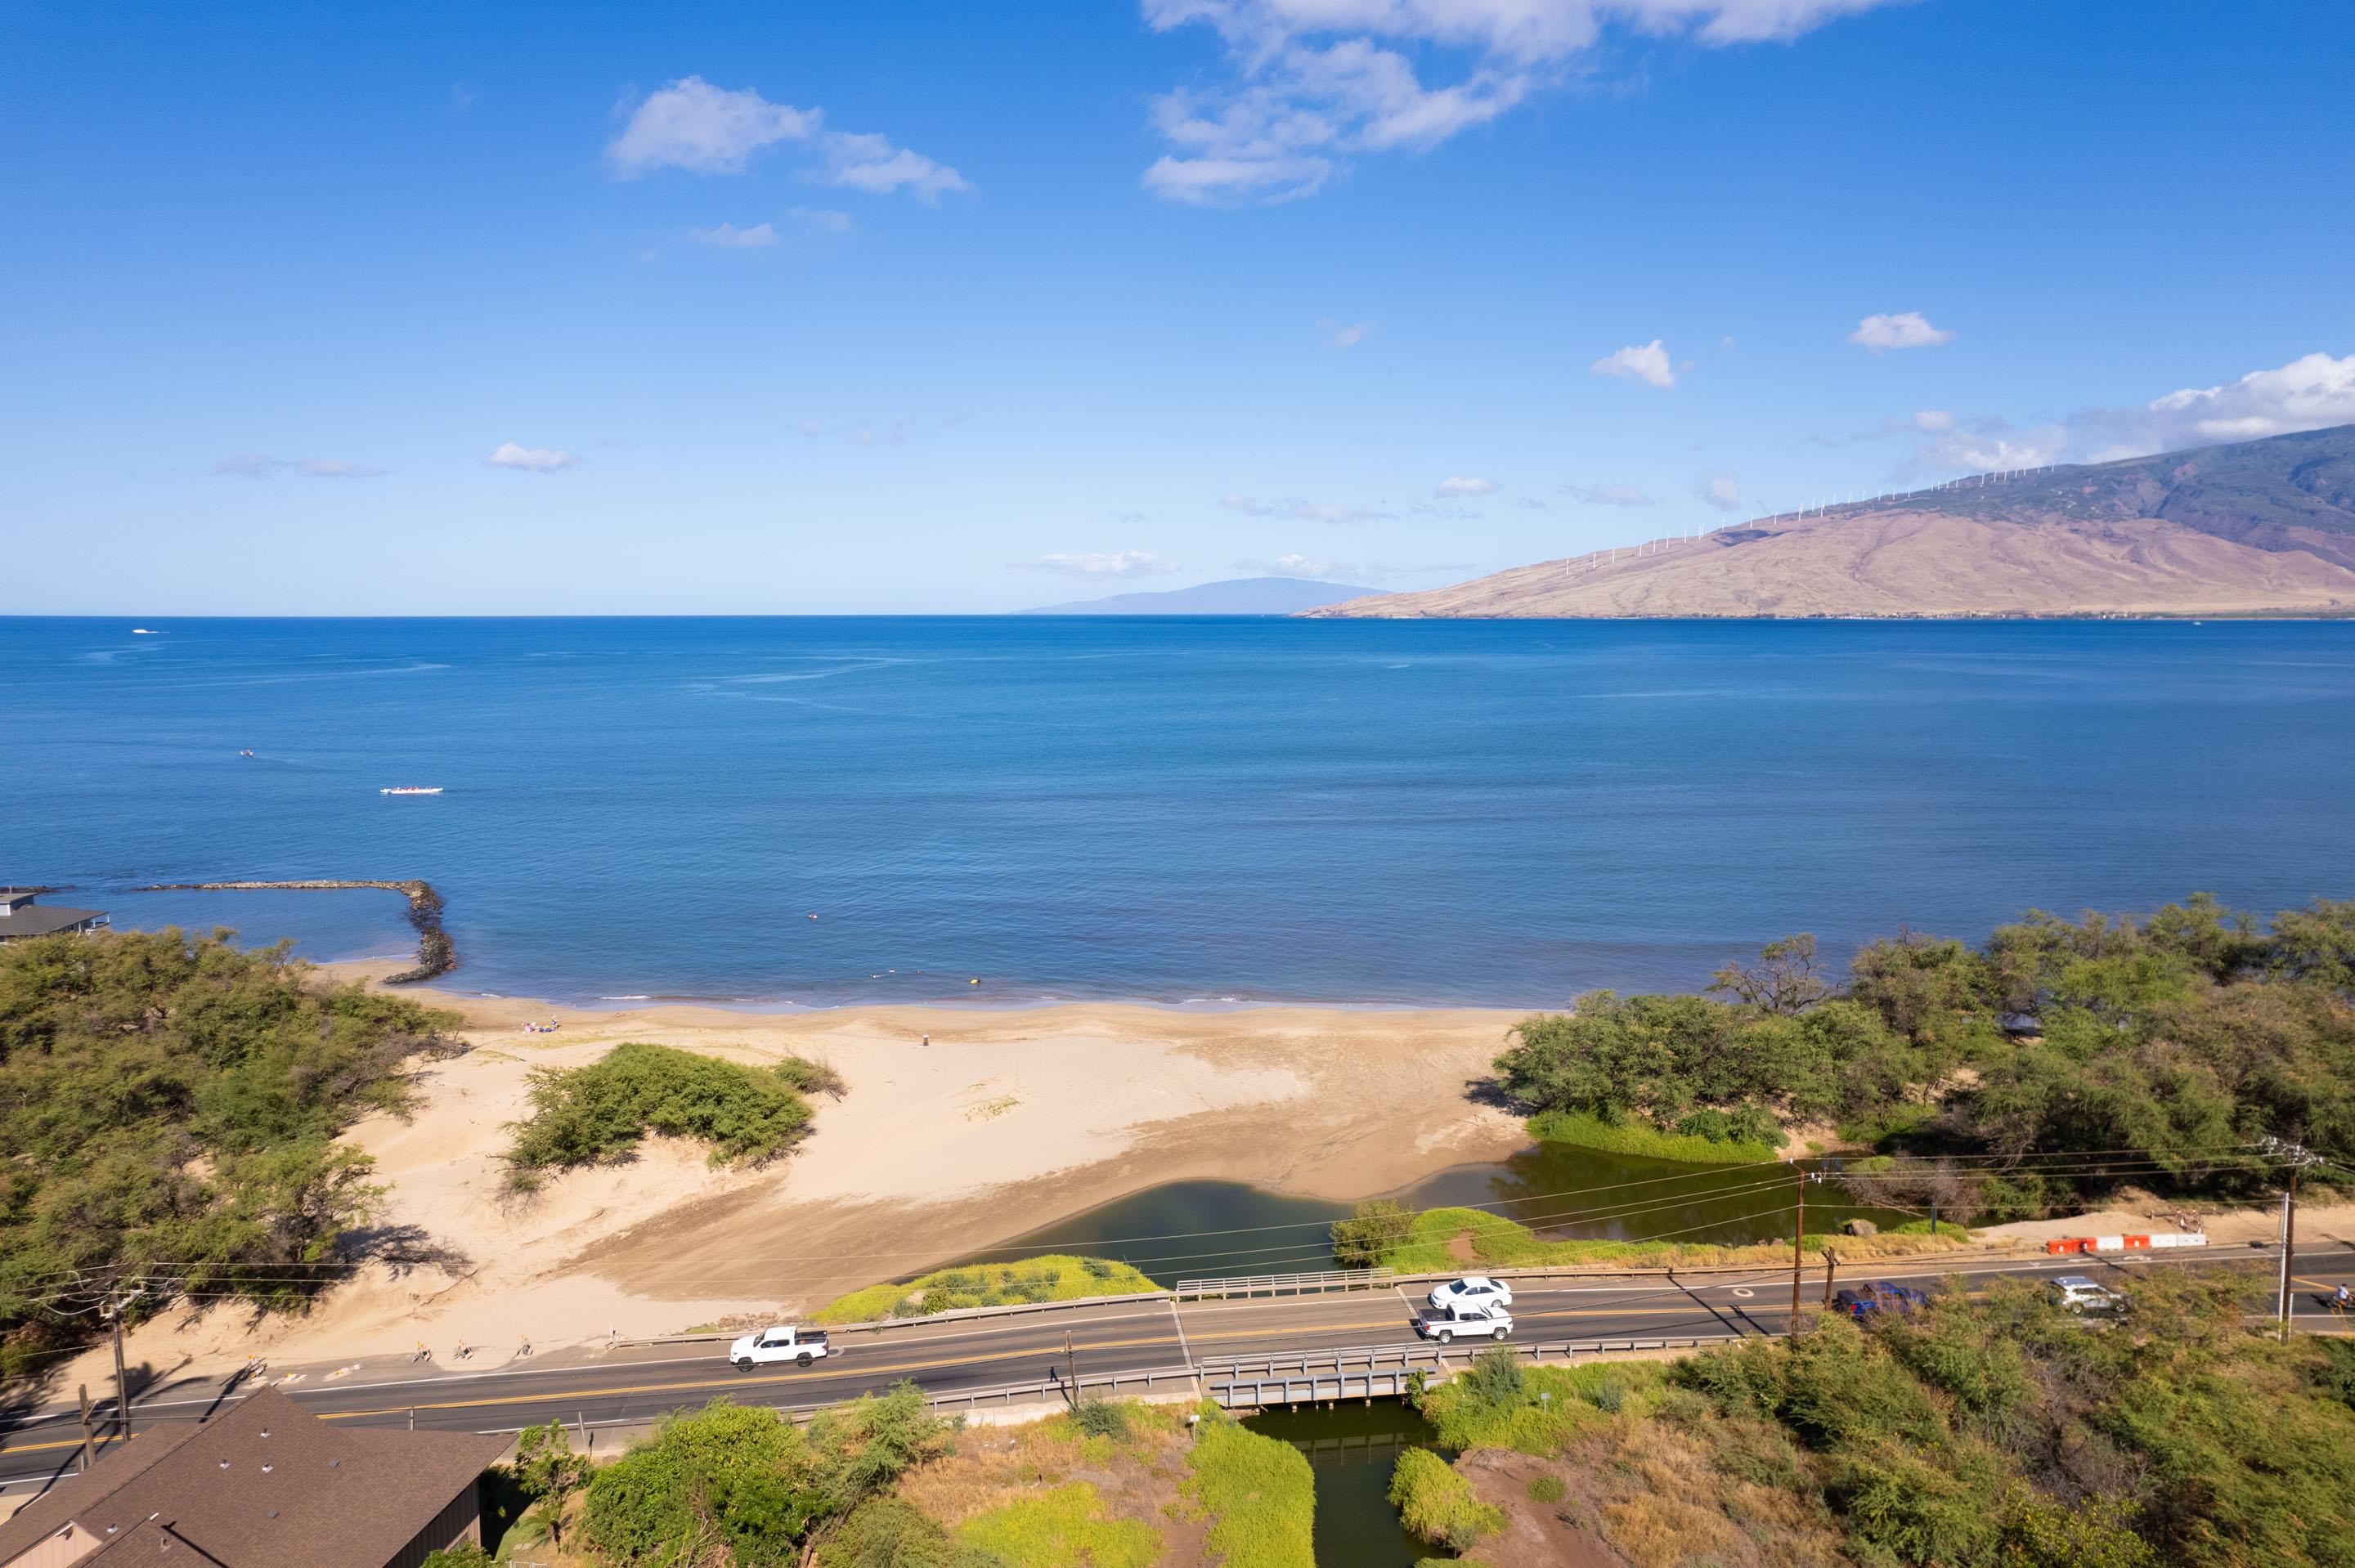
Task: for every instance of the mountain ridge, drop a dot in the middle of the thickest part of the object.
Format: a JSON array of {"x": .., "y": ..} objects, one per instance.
[
  {"x": 2256, "y": 527},
  {"x": 1233, "y": 595}
]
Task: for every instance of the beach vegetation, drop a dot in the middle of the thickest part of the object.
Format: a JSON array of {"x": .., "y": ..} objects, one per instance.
[
  {"x": 169, "y": 1106},
  {"x": 1259, "y": 1492},
  {"x": 600, "y": 1113},
  {"x": 1052, "y": 1277},
  {"x": 2165, "y": 1047}
]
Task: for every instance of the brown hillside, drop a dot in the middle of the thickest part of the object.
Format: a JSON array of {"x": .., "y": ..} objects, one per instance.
[{"x": 2256, "y": 527}]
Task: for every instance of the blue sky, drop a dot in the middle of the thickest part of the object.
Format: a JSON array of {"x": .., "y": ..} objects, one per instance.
[{"x": 834, "y": 307}]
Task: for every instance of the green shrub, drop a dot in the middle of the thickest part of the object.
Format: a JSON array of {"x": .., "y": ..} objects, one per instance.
[
  {"x": 1259, "y": 1492},
  {"x": 887, "y": 1533},
  {"x": 1496, "y": 1377},
  {"x": 1438, "y": 1505},
  {"x": 465, "y": 1554},
  {"x": 598, "y": 1114},
  {"x": 811, "y": 1077},
  {"x": 1371, "y": 1233},
  {"x": 1546, "y": 1488},
  {"x": 753, "y": 1482},
  {"x": 1051, "y": 1277},
  {"x": 1099, "y": 1417}
]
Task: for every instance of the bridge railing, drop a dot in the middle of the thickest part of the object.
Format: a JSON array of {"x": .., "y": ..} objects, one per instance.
[{"x": 1278, "y": 1284}]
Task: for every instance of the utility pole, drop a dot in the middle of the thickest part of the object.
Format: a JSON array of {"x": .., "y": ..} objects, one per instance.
[
  {"x": 1831, "y": 1263},
  {"x": 89, "y": 1454},
  {"x": 2299, "y": 1158},
  {"x": 113, "y": 1312},
  {"x": 1799, "y": 1241},
  {"x": 1072, "y": 1361}
]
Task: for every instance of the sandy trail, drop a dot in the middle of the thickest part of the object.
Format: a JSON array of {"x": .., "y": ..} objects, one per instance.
[{"x": 1005, "y": 1121}]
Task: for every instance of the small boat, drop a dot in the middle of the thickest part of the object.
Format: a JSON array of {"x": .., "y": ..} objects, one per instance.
[
  {"x": 410, "y": 790},
  {"x": 142, "y": 632}
]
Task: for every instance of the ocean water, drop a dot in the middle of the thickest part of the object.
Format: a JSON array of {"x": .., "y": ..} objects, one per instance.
[{"x": 1174, "y": 811}]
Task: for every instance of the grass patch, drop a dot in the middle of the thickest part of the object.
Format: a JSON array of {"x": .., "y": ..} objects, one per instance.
[
  {"x": 1068, "y": 1524},
  {"x": 1534, "y": 1410},
  {"x": 598, "y": 1115},
  {"x": 1642, "y": 1140},
  {"x": 1438, "y": 1505},
  {"x": 1056, "y": 1276},
  {"x": 1500, "y": 1243},
  {"x": 1260, "y": 1494}
]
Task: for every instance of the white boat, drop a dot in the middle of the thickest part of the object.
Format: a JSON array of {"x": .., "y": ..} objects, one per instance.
[{"x": 410, "y": 790}]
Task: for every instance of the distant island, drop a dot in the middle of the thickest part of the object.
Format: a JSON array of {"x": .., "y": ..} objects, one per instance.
[
  {"x": 2264, "y": 527},
  {"x": 1236, "y": 596}
]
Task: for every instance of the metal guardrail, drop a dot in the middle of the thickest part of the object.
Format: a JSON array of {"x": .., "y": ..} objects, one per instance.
[
  {"x": 955, "y": 1315},
  {"x": 1367, "y": 1374},
  {"x": 1276, "y": 1283}
]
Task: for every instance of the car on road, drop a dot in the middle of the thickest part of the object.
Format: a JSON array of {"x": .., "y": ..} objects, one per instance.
[
  {"x": 2077, "y": 1293},
  {"x": 784, "y": 1342},
  {"x": 1448, "y": 1324},
  {"x": 1863, "y": 1300},
  {"x": 1472, "y": 1290}
]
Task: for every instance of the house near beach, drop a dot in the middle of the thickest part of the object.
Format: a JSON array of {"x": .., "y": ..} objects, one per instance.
[
  {"x": 21, "y": 916},
  {"x": 262, "y": 1485}
]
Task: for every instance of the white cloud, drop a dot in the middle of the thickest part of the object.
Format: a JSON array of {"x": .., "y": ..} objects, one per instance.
[
  {"x": 1458, "y": 486},
  {"x": 866, "y": 162},
  {"x": 1909, "y": 330},
  {"x": 1104, "y": 564},
  {"x": 1302, "y": 511},
  {"x": 1934, "y": 419},
  {"x": 728, "y": 237},
  {"x": 531, "y": 459},
  {"x": 1976, "y": 446},
  {"x": 1313, "y": 81},
  {"x": 2310, "y": 392},
  {"x": 1648, "y": 363},
  {"x": 1611, "y": 495},
  {"x": 1722, "y": 491},
  {"x": 251, "y": 466},
  {"x": 1296, "y": 565},
  {"x": 821, "y": 220},
  {"x": 1350, "y": 336},
  {"x": 691, "y": 124}
]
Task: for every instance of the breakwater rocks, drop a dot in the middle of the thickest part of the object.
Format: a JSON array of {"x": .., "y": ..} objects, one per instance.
[{"x": 435, "y": 955}]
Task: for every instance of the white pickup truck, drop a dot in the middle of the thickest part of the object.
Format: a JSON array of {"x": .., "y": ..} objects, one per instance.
[
  {"x": 784, "y": 1343},
  {"x": 1448, "y": 1324}
]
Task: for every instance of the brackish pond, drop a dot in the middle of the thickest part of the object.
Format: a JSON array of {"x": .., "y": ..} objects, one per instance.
[{"x": 1209, "y": 1229}]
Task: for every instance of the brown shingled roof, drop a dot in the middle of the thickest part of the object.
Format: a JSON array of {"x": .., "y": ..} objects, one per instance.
[{"x": 264, "y": 1485}]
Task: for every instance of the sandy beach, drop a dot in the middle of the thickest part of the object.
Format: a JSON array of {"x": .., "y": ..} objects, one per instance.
[{"x": 1005, "y": 1121}]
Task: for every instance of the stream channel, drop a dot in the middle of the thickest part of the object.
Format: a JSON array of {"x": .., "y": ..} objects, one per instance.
[{"x": 1193, "y": 1230}]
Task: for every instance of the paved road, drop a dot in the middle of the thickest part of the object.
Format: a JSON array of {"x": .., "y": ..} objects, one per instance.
[{"x": 635, "y": 1384}]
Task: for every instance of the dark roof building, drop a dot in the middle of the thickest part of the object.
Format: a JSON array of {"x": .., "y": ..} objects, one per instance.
[
  {"x": 20, "y": 916},
  {"x": 265, "y": 1484}
]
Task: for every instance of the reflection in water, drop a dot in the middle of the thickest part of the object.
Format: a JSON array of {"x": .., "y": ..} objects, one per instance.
[{"x": 1352, "y": 1447}]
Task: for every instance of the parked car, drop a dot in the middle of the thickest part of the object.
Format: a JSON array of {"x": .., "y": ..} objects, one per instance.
[
  {"x": 1447, "y": 1324},
  {"x": 2078, "y": 1293},
  {"x": 1472, "y": 1290},
  {"x": 783, "y": 1343},
  {"x": 1880, "y": 1296}
]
